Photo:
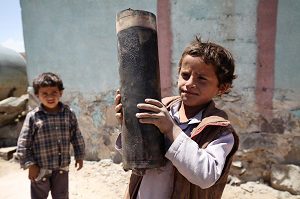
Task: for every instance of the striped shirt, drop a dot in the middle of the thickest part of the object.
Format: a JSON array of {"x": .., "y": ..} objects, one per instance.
[{"x": 45, "y": 138}]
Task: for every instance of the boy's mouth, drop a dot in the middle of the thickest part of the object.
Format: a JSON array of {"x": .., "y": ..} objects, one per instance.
[{"x": 188, "y": 92}]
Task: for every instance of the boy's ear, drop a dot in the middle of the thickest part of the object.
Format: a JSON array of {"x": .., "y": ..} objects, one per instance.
[{"x": 60, "y": 92}]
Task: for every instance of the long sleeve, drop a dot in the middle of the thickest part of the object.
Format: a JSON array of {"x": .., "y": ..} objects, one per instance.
[
  {"x": 77, "y": 139},
  {"x": 202, "y": 167},
  {"x": 24, "y": 146}
]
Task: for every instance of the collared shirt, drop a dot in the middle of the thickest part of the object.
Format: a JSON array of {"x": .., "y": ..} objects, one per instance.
[
  {"x": 202, "y": 167},
  {"x": 45, "y": 138}
]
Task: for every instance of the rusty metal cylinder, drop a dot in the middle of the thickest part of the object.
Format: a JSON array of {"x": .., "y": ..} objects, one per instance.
[{"x": 142, "y": 144}]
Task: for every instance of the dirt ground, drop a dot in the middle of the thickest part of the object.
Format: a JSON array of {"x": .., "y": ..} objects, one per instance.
[{"x": 107, "y": 180}]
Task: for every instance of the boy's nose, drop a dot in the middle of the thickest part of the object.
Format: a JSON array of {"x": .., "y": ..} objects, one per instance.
[
  {"x": 190, "y": 82},
  {"x": 50, "y": 96}
]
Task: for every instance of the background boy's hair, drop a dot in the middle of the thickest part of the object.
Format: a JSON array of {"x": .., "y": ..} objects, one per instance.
[
  {"x": 47, "y": 80},
  {"x": 215, "y": 55}
]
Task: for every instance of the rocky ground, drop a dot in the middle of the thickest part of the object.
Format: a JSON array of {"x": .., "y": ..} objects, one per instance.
[{"x": 105, "y": 179}]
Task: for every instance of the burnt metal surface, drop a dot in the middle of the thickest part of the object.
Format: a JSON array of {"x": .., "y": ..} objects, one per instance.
[{"x": 142, "y": 144}]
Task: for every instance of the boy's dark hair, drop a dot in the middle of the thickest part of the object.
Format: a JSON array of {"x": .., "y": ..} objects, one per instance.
[
  {"x": 215, "y": 55},
  {"x": 47, "y": 80}
]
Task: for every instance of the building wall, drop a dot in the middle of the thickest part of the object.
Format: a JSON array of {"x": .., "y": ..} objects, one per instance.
[
  {"x": 263, "y": 36},
  {"x": 77, "y": 40},
  {"x": 229, "y": 23},
  {"x": 287, "y": 62}
]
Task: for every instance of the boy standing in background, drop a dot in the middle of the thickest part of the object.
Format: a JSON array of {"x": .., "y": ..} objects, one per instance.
[{"x": 44, "y": 141}]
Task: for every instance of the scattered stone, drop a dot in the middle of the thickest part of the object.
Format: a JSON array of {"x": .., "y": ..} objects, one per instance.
[
  {"x": 234, "y": 181},
  {"x": 286, "y": 178},
  {"x": 247, "y": 187},
  {"x": 16, "y": 158},
  {"x": 105, "y": 162},
  {"x": 11, "y": 108},
  {"x": 9, "y": 133},
  {"x": 7, "y": 152},
  {"x": 237, "y": 164}
]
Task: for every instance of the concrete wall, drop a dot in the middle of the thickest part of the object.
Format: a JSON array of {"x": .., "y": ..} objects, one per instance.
[
  {"x": 287, "y": 62},
  {"x": 227, "y": 22},
  {"x": 77, "y": 40},
  {"x": 265, "y": 52}
]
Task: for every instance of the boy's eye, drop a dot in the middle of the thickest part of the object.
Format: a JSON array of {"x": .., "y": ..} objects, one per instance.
[
  {"x": 54, "y": 94},
  {"x": 202, "y": 78},
  {"x": 44, "y": 94}
]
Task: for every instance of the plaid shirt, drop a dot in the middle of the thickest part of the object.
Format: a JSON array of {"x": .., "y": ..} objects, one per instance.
[{"x": 45, "y": 138}]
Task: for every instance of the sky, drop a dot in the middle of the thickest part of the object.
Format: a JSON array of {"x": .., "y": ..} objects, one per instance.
[{"x": 11, "y": 31}]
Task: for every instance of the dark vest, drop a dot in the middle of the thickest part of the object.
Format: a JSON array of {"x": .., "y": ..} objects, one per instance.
[{"x": 214, "y": 123}]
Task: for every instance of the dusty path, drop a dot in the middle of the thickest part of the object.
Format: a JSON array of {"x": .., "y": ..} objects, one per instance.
[
  {"x": 96, "y": 180},
  {"x": 106, "y": 180}
]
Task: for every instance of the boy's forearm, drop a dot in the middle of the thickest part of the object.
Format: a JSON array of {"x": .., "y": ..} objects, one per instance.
[
  {"x": 79, "y": 156},
  {"x": 26, "y": 162},
  {"x": 24, "y": 154},
  {"x": 77, "y": 140},
  {"x": 79, "y": 150},
  {"x": 174, "y": 133},
  {"x": 202, "y": 167},
  {"x": 78, "y": 144}
]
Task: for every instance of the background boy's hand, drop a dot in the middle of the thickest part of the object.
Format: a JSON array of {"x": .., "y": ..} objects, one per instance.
[
  {"x": 33, "y": 172},
  {"x": 159, "y": 116},
  {"x": 118, "y": 106},
  {"x": 79, "y": 163}
]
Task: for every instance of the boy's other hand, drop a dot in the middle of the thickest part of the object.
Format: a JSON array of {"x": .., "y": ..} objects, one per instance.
[
  {"x": 118, "y": 106},
  {"x": 33, "y": 172},
  {"x": 79, "y": 163},
  {"x": 159, "y": 116}
]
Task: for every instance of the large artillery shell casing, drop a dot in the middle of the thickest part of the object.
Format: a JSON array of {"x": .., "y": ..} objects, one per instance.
[{"x": 142, "y": 144}]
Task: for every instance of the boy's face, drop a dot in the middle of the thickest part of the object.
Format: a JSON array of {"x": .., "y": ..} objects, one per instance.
[
  {"x": 197, "y": 82},
  {"x": 49, "y": 97}
]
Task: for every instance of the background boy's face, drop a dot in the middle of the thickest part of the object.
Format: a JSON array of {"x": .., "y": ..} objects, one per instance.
[
  {"x": 49, "y": 97},
  {"x": 197, "y": 82}
]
